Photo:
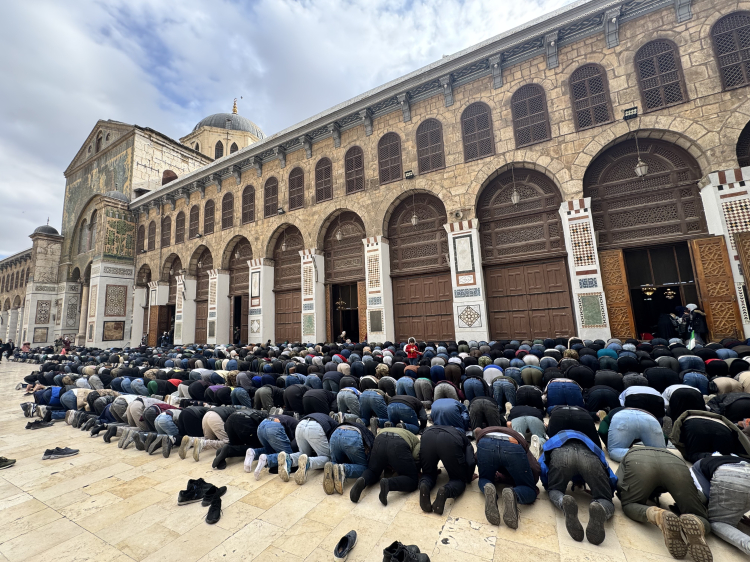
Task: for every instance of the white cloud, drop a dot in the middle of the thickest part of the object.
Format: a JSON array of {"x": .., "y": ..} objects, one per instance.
[{"x": 166, "y": 65}]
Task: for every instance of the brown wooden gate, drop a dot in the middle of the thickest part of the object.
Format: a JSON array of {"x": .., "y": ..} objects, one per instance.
[
  {"x": 617, "y": 294},
  {"x": 716, "y": 287},
  {"x": 201, "y": 321},
  {"x": 529, "y": 301},
  {"x": 153, "y": 326},
  {"x": 288, "y": 316},
  {"x": 423, "y": 307}
]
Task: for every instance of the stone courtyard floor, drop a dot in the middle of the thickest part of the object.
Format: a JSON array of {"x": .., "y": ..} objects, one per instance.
[{"x": 106, "y": 504}]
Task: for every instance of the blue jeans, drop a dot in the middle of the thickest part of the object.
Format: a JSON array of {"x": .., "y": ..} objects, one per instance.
[
  {"x": 493, "y": 454},
  {"x": 164, "y": 424},
  {"x": 504, "y": 391},
  {"x": 473, "y": 388},
  {"x": 631, "y": 425},
  {"x": 696, "y": 380},
  {"x": 404, "y": 414},
  {"x": 347, "y": 449},
  {"x": 274, "y": 440},
  {"x": 293, "y": 379},
  {"x": 414, "y": 361},
  {"x": 371, "y": 404},
  {"x": 405, "y": 386},
  {"x": 240, "y": 397},
  {"x": 69, "y": 401},
  {"x": 139, "y": 387},
  {"x": 126, "y": 386},
  {"x": 450, "y": 412},
  {"x": 330, "y": 384},
  {"x": 313, "y": 381},
  {"x": 564, "y": 394}
]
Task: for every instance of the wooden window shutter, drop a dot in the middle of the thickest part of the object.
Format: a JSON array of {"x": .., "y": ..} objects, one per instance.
[
  {"x": 430, "y": 152},
  {"x": 354, "y": 162},
  {"x": 659, "y": 71},
  {"x": 323, "y": 180},
  {"x": 476, "y": 127},
  {"x": 389, "y": 158},
  {"x": 296, "y": 189},
  {"x": 271, "y": 198}
]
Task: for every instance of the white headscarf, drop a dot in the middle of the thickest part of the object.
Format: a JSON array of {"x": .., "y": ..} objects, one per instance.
[{"x": 691, "y": 307}]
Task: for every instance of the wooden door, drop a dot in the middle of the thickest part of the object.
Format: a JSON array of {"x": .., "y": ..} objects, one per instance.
[
  {"x": 244, "y": 306},
  {"x": 617, "y": 294},
  {"x": 362, "y": 309},
  {"x": 153, "y": 326},
  {"x": 423, "y": 307},
  {"x": 716, "y": 287},
  {"x": 288, "y": 316},
  {"x": 165, "y": 320},
  {"x": 201, "y": 319}
]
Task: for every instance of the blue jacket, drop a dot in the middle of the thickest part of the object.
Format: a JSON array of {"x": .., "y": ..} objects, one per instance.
[{"x": 559, "y": 440}]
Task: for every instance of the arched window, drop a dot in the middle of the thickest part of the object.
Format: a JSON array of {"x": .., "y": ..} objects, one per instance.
[
  {"x": 22, "y": 282},
  {"x": 234, "y": 148},
  {"x": 354, "y": 166},
  {"x": 476, "y": 129},
  {"x": 166, "y": 231},
  {"x": 194, "y": 222},
  {"x": 167, "y": 177},
  {"x": 83, "y": 238},
  {"x": 208, "y": 218},
  {"x": 731, "y": 38},
  {"x": 152, "y": 236},
  {"x": 530, "y": 118},
  {"x": 389, "y": 158},
  {"x": 659, "y": 72},
  {"x": 140, "y": 238},
  {"x": 92, "y": 231},
  {"x": 15, "y": 285},
  {"x": 218, "y": 150},
  {"x": 430, "y": 154},
  {"x": 179, "y": 228},
  {"x": 323, "y": 180},
  {"x": 98, "y": 143},
  {"x": 296, "y": 189},
  {"x": 589, "y": 96},
  {"x": 197, "y": 147},
  {"x": 271, "y": 198},
  {"x": 248, "y": 204},
  {"x": 26, "y": 277},
  {"x": 227, "y": 211}
]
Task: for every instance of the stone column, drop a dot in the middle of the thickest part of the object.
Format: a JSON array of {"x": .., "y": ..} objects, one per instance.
[
  {"x": 725, "y": 202},
  {"x": 81, "y": 337},
  {"x": 218, "y": 307},
  {"x": 138, "y": 325},
  {"x": 589, "y": 303},
  {"x": 313, "y": 296},
  {"x": 12, "y": 324},
  {"x": 381, "y": 325},
  {"x": 261, "y": 323},
  {"x": 467, "y": 281},
  {"x": 4, "y": 316},
  {"x": 23, "y": 315},
  {"x": 184, "y": 326}
]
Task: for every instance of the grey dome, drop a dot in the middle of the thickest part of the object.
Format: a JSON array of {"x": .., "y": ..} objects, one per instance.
[
  {"x": 119, "y": 195},
  {"x": 238, "y": 123},
  {"x": 46, "y": 229}
]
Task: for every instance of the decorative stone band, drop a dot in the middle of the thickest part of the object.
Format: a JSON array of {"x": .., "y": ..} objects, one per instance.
[
  {"x": 374, "y": 241},
  {"x": 259, "y": 262},
  {"x": 461, "y": 226},
  {"x": 575, "y": 205},
  {"x": 307, "y": 255},
  {"x": 730, "y": 179},
  {"x": 213, "y": 273}
]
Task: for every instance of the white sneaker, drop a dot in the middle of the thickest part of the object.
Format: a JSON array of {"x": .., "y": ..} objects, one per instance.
[
  {"x": 187, "y": 442},
  {"x": 283, "y": 472},
  {"x": 262, "y": 462},
  {"x": 197, "y": 448},
  {"x": 535, "y": 447},
  {"x": 508, "y": 408},
  {"x": 249, "y": 458}
]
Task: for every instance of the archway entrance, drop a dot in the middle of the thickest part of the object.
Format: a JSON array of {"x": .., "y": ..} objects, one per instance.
[
  {"x": 345, "y": 277},
  {"x": 420, "y": 271},
  {"x": 204, "y": 265},
  {"x": 287, "y": 284},
  {"x": 652, "y": 238},
  {"x": 239, "y": 279},
  {"x": 524, "y": 257}
]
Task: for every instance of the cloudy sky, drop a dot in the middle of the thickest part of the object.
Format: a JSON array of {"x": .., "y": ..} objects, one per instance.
[{"x": 166, "y": 65}]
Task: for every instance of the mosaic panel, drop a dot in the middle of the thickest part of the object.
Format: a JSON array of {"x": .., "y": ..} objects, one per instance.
[
  {"x": 71, "y": 312},
  {"x": 469, "y": 316},
  {"x": 375, "y": 320},
  {"x": 43, "y": 312},
  {"x": 113, "y": 331},
  {"x": 115, "y": 303},
  {"x": 737, "y": 217},
  {"x": 373, "y": 271},
  {"x": 118, "y": 271},
  {"x": 583, "y": 244},
  {"x": 212, "y": 292},
  {"x": 308, "y": 324},
  {"x": 591, "y": 310},
  {"x": 374, "y": 301},
  {"x": 254, "y": 311},
  {"x": 119, "y": 240},
  {"x": 254, "y": 326},
  {"x": 464, "y": 293},
  {"x": 307, "y": 281},
  {"x": 308, "y": 306},
  {"x": 588, "y": 283},
  {"x": 92, "y": 300}
]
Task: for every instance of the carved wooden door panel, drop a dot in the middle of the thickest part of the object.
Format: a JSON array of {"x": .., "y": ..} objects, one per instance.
[
  {"x": 153, "y": 326},
  {"x": 201, "y": 320},
  {"x": 716, "y": 287},
  {"x": 615, "y": 280},
  {"x": 362, "y": 308},
  {"x": 243, "y": 320}
]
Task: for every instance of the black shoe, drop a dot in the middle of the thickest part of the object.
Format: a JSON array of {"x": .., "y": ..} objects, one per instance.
[
  {"x": 356, "y": 491},
  {"x": 439, "y": 503},
  {"x": 212, "y": 493},
  {"x": 572, "y": 524},
  {"x": 138, "y": 440},
  {"x": 111, "y": 432},
  {"x": 396, "y": 546},
  {"x": 26, "y": 407},
  {"x": 214, "y": 512},
  {"x": 59, "y": 453},
  {"x": 383, "y": 496},
  {"x": 91, "y": 422},
  {"x": 38, "y": 424},
  {"x": 491, "y": 512},
  {"x": 195, "y": 491},
  {"x": 47, "y": 416},
  {"x": 97, "y": 428},
  {"x": 424, "y": 497},
  {"x": 510, "y": 508},
  {"x": 595, "y": 528},
  {"x": 345, "y": 546},
  {"x": 166, "y": 446},
  {"x": 220, "y": 461}
]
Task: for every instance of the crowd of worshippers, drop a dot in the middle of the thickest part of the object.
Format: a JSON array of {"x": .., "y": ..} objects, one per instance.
[{"x": 536, "y": 411}]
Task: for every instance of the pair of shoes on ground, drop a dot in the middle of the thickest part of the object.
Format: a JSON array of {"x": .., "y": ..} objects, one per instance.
[
  {"x": 424, "y": 499},
  {"x": 511, "y": 512},
  {"x": 682, "y": 534},
  {"x": 38, "y": 424},
  {"x": 285, "y": 468},
  {"x": 209, "y": 495},
  {"x": 6, "y": 463},
  {"x": 398, "y": 552},
  {"x": 59, "y": 453},
  {"x": 595, "y": 527},
  {"x": 334, "y": 478}
]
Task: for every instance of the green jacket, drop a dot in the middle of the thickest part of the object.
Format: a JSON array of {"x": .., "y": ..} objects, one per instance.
[{"x": 407, "y": 436}]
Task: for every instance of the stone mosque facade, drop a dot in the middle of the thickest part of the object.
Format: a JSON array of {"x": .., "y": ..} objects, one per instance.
[{"x": 579, "y": 175}]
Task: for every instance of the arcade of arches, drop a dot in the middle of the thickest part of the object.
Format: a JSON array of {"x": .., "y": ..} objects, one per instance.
[{"x": 530, "y": 265}]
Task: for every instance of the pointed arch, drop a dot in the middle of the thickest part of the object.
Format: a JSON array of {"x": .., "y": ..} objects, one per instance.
[{"x": 218, "y": 150}]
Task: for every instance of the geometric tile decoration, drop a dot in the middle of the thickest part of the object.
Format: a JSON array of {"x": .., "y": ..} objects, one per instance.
[
  {"x": 737, "y": 217},
  {"x": 587, "y": 283},
  {"x": 591, "y": 310},
  {"x": 307, "y": 281},
  {"x": 212, "y": 292},
  {"x": 373, "y": 271},
  {"x": 463, "y": 293},
  {"x": 255, "y": 326},
  {"x": 583, "y": 244},
  {"x": 117, "y": 271},
  {"x": 92, "y": 302},
  {"x": 115, "y": 300},
  {"x": 212, "y": 314},
  {"x": 308, "y": 324},
  {"x": 42, "y": 313},
  {"x": 466, "y": 279},
  {"x": 308, "y": 306},
  {"x": 113, "y": 331},
  {"x": 469, "y": 316},
  {"x": 72, "y": 312},
  {"x": 743, "y": 303},
  {"x": 374, "y": 301},
  {"x": 178, "y": 317}
]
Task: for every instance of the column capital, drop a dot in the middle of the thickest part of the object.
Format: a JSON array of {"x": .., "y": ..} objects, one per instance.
[
  {"x": 310, "y": 252},
  {"x": 260, "y": 261},
  {"x": 575, "y": 206}
]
